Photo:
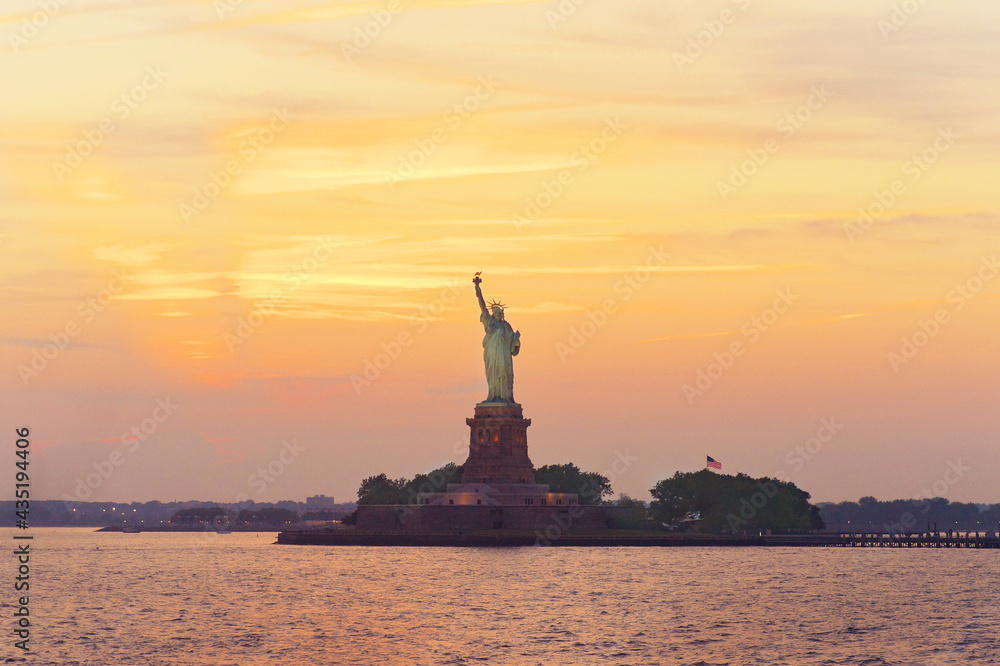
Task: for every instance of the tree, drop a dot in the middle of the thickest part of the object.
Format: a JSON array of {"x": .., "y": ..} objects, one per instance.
[
  {"x": 739, "y": 503},
  {"x": 903, "y": 516},
  {"x": 591, "y": 487},
  {"x": 434, "y": 482},
  {"x": 382, "y": 490}
]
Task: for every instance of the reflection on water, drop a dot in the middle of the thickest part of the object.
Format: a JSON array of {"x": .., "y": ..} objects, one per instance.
[{"x": 238, "y": 599}]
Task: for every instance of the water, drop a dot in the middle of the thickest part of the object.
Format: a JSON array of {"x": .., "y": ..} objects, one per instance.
[{"x": 237, "y": 599}]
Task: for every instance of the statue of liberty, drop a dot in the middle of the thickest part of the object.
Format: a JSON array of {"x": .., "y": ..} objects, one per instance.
[{"x": 500, "y": 346}]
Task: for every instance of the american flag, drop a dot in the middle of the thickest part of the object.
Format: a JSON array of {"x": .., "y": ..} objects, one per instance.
[{"x": 713, "y": 463}]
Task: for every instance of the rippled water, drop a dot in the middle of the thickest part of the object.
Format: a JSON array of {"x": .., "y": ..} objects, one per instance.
[{"x": 239, "y": 599}]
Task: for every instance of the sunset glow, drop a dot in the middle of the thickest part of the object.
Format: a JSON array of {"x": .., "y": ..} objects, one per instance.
[{"x": 717, "y": 227}]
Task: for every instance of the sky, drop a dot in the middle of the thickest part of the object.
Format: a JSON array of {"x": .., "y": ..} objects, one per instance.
[{"x": 237, "y": 240}]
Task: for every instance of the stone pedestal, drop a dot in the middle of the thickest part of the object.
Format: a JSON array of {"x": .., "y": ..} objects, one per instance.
[
  {"x": 498, "y": 446},
  {"x": 498, "y": 489}
]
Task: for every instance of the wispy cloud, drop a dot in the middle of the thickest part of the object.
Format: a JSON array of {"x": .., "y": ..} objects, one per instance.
[{"x": 335, "y": 10}]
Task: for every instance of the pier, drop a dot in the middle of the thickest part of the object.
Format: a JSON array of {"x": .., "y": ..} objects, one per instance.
[{"x": 890, "y": 540}]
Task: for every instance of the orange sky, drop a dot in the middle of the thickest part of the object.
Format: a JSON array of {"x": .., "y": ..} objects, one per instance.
[{"x": 238, "y": 207}]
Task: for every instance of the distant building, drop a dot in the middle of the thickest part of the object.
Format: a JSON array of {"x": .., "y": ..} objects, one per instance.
[{"x": 317, "y": 502}]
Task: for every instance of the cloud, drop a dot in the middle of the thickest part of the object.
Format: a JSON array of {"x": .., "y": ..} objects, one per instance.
[
  {"x": 131, "y": 253},
  {"x": 342, "y": 9},
  {"x": 230, "y": 456},
  {"x": 172, "y": 293},
  {"x": 41, "y": 342}
]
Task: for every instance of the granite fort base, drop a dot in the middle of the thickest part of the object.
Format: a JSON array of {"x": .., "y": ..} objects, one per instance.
[{"x": 435, "y": 518}]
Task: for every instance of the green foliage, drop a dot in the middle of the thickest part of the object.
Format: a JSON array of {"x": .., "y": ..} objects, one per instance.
[
  {"x": 591, "y": 487},
  {"x": 638, "y": 516},
  {"x": 436, "y": 481},
  {"x": 729, "y": 504},
  {"x": 907, "y": 516},
  {"x": 383, "y": 490}
]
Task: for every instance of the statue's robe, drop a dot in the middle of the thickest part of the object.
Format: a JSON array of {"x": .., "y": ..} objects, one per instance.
[{"x": 500, "y": 346}]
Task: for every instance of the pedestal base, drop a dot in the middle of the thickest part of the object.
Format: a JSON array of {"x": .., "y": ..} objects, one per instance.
[
  {"x": 498, "y": 446},
  {"x": 497, "y": 474}
]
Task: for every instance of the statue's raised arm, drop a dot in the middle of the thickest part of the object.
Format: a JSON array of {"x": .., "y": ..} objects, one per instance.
[{"x": 479, "y": 292}]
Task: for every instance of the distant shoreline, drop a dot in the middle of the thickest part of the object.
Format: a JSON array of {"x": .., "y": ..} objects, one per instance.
[
  {"x": 350, "y": 537},
  {"x": 191, "y": 528}
]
